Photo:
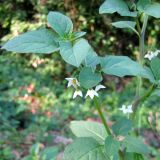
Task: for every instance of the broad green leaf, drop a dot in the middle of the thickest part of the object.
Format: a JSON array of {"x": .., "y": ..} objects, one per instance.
[
  {"x": 155, "y": 66},
  {"x": 85, "y": 149},
  {"x": 89, "y": 129},
  {"x": 74, "y": 54},
  {"x": 126, "y": 24},
  {"x": 88, "y": 78},
  {"x": 135, "y": 145},
  {"x": 60, "y": 23},
  {"x": 122, "y": 127},
  {"x": 91, "y": 59},
  {"x": 119, "y": 6},
  {"x": 39, "y": 41},
  {"x": 123, "y": 66},
  {"x": 49, "y": 153},
  {"x": 151, "y": 9},
  {"x": 111, "y": 146}
]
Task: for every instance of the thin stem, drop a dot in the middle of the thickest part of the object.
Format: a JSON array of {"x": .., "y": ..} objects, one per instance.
[
  {"x": 141, "y": 52},
  {"x": 97, "y": 104},
  {"x": 142, "y": 39},
  {"x": 142, "y": 99}
]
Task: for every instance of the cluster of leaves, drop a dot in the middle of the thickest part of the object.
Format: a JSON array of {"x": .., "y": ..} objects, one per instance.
[
  {"x": 76, "y": 51},
  {"x": 94, "y": 143}
]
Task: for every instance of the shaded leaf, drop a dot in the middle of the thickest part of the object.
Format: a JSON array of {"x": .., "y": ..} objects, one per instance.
[
  {"x": 155, "y": 66},
  {"x": 85, "y": 149},
  {"x": 49, "y": 153},
  {"x": 151, "y": 9},
  {"x": 123, "y": 66},
  {"x": 122, "y": 127},
  {"x": 39, "y": 41},
  {"x": 60, "y": 23},
  {"x": 91, "y": 59},
  {"x": 126, "y": 24},
  {"x": 74, "y": 54},
  {"x": 135, "y": 145},
  {"x": 119, "y": 6},
  {"x": 89, "y": 129},
  {"x": 88, "y": 78},
  {"x": 111, "y": 146}
]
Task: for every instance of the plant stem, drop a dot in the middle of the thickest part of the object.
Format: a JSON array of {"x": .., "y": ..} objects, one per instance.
[
  {"x": 97, "y": 104},
  {"x": 142, "y": 39},
  {"x": 142, "y": 99},
  {"x": 141, "y": 53}
]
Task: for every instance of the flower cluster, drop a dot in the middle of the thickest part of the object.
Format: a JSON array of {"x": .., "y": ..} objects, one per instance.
[
  {"x": 90, "y": 93},
  {"x": 150, "y": 55},
  {"x": 126, "y": 109}
]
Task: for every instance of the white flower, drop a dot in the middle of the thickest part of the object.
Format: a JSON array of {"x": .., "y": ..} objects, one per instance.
[
  {"x": 72, "y": 82},
  {"x": 126, "y": 109},
  {"x": 99, "y": 87},
  {"x": 77, "y": 93},
  {"x": 91, "y": 93},
  {"x": 151, "y": 55}
]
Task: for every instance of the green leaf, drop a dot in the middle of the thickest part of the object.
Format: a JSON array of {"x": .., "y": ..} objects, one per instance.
[
  {"x": 79, "y": 34},
  {"x": 134, "y": 156},
  {"x": 135, "y": 145},
  {"x": 74, "y": 54},
  {"x": 155, "y": 66},
  {"x": 111, "y": 146},
  {"x": 122, "y": 127},
  {"x": 88, "y": 78},
  {"x": 151, "y": 9},
  {"x": 123, "y": 66},
  {"x": 126, "y": 24},
  {"x": 91, "y": 59},
  {"x": 84, "y": 149},
  {"x": 119, "y": 6},
  {"x": 49, "y": 153},
  {"x": 39, "y": 41},
  {"x": 89, "y": 129},
  {"x": 60, "y": 23}
]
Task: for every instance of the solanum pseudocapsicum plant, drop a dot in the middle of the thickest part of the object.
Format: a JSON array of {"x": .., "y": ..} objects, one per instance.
[{"x": 97, "y": 141}]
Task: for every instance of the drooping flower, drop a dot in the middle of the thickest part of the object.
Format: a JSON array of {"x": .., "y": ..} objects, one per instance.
[
  {"x": 94, "y": 92},
  {"x": 72, "y": 82},
  {"x": 126, "y": 109},
  {"x": 77, "y": 93},
  {"x": 91, "y": 93},
  {"x": 151, "y": 55}
]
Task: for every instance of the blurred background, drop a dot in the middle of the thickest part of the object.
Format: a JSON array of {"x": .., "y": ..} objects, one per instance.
[{"x": 35, "y": 105}]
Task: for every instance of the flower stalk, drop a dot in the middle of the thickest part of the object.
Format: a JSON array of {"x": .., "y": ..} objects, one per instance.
[{"x": 97, "y": 105}]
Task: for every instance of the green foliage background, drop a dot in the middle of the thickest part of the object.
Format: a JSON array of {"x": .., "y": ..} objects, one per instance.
[{"x": 35, "y": 105}]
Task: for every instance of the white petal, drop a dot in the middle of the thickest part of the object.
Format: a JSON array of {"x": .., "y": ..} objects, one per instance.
[
  {"x": 69, "y": 79},
  {"x": 95, "y": 93},
  {"x": 77, "y": 93},
  {"x": 78, "y": 84},
  {"x": 129, "y": 109},
  {"x": 156, "y": 53},
  {"x": 99, "y": 87},
  {"x": 69, "y": 84},
  {"x": 91, "y": 93},
  {"x": 123, "y": 109}
]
